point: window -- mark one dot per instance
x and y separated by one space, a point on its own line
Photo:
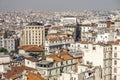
115 70
45 66
115 62
115 55
56 64
66 62
61 63
105 55
78 45
115 48
74 78
28 62
87 62
94 48
115 77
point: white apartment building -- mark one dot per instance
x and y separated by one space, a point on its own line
56 64
108 36
116 60
7 43
33 34
103 37
31 62
88 36
91 52
53 44
107 69
104 55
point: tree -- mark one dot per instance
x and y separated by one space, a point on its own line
12 51
3 50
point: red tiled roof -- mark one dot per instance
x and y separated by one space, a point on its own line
60 56
1 33
117 42
33 76
29 48
55 57
65 55
15 71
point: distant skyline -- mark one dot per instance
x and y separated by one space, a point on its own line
59 5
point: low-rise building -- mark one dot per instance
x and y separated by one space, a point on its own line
31 49
4 63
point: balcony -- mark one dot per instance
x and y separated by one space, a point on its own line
58 43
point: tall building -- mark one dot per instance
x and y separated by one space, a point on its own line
33 34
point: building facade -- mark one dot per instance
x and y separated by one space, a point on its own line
33 34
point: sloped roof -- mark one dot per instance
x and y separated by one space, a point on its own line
55 57
60 56
1 33
117 42
65 56
29 48
15 71
33 76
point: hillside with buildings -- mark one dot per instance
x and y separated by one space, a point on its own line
60 45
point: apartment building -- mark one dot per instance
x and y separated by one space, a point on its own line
92 51
56 64
8 43
116 60
57 43
88 36
33 34
100 54
107 68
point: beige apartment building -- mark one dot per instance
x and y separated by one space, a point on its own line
33 34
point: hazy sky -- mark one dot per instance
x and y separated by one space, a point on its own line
59 5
